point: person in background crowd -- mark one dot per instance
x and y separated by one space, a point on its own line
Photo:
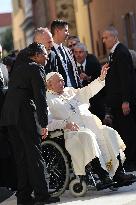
72 41
3 71
26 85
65 61
120 96
89 69
9 61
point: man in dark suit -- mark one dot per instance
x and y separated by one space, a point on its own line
26 86
65 61
89 69
119 93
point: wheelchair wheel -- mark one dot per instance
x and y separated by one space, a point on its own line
57 167
78 188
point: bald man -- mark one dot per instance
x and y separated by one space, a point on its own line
43 36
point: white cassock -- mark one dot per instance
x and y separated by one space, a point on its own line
93 139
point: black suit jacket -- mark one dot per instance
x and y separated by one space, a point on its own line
92 68
61 70
51 65
25 87
120 77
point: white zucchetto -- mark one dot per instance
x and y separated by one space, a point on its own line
51 74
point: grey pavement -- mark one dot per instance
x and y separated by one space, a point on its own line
123 196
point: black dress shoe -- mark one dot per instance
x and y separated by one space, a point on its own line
48 201
123 179
130 168
105 183
26 201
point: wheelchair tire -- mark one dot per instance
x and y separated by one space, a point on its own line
57 167
77 188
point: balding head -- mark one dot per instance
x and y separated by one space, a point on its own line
43 36
80 52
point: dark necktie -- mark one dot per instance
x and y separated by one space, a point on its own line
80 69
62 54
69 66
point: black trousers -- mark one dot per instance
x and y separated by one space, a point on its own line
26 145
7 162
126 126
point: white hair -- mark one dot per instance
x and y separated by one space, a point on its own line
51 74
112 30
41 31
81 45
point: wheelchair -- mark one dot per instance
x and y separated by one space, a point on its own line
59 172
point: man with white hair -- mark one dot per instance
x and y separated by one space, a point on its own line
120 93
87 64
41 35
86 139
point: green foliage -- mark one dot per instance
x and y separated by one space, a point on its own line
7 40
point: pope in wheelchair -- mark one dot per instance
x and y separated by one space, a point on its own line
89 143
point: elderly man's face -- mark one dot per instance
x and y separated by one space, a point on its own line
46 40
80 55
108 39
56 84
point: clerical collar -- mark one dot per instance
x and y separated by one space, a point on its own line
114 47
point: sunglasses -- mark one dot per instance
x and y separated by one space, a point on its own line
72 45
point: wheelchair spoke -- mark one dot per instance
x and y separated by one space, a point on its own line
57 177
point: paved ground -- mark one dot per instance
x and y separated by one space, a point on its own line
124 196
